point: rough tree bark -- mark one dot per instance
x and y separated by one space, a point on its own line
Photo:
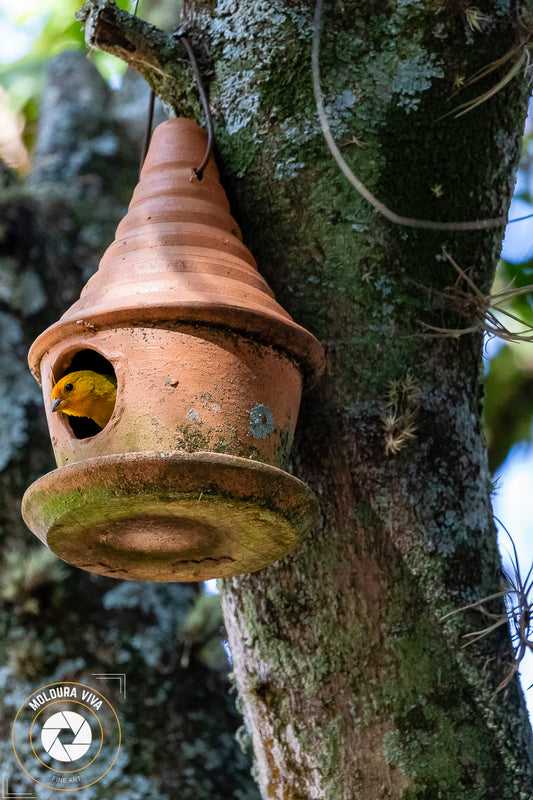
351 684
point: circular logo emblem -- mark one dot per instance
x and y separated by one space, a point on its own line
66 736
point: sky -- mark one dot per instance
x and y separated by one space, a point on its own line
21 21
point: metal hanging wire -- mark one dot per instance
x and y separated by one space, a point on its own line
148 131
198 172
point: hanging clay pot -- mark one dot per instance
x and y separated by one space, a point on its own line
186 480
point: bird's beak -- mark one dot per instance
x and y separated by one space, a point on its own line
56 402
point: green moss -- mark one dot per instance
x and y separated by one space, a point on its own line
191 439
26 657
330 737
221 446
287 92
285 446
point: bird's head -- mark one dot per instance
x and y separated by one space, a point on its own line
71 392
86 394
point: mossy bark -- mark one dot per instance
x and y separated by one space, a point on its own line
351 684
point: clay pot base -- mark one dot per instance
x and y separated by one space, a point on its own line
169 517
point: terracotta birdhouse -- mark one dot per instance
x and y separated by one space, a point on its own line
186 480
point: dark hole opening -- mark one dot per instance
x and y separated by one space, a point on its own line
90 359
83 427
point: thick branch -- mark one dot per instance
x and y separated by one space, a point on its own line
158 56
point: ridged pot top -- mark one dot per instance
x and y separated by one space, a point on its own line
178 257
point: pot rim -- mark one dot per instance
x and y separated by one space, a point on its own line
265 327
266 513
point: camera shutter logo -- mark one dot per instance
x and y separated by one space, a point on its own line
52 736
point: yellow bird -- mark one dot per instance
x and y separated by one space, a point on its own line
86 394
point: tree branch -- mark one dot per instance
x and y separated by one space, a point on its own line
158 56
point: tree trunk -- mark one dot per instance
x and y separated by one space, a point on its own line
352 685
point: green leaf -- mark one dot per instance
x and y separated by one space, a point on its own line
508 406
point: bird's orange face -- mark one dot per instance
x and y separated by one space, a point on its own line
85 394
60 393
66 394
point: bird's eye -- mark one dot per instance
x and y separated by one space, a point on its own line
69 387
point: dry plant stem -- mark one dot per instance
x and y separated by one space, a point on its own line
482 98
472 303
465 108
484 71
158 56
518 615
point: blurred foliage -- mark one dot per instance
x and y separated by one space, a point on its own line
201 633
52 28
508 407
29 574
24 78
